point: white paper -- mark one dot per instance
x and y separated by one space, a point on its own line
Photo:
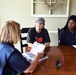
37 47
74 46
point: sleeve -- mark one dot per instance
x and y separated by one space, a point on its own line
18 62
61 37
46 36
30 36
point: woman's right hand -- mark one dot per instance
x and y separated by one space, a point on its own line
34 63
40 55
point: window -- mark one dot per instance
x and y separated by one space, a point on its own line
50 8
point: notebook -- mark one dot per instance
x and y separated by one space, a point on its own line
37 47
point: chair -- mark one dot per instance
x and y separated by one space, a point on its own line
23 38
59 30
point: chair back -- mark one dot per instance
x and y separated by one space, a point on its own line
23 36
59 30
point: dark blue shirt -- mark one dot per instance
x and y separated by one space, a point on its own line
15 64
67 38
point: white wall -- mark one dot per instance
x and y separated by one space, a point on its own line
20 11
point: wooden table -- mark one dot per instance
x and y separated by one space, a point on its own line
67 56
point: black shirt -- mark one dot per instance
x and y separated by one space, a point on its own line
42 37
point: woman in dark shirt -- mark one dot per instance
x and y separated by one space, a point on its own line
67 35
11 60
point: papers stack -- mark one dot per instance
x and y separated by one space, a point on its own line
37 47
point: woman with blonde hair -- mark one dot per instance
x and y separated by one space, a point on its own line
11 60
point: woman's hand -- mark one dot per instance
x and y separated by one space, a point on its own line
40 55
34 63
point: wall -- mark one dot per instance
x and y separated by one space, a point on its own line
20 10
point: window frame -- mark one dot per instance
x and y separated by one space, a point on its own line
50 15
